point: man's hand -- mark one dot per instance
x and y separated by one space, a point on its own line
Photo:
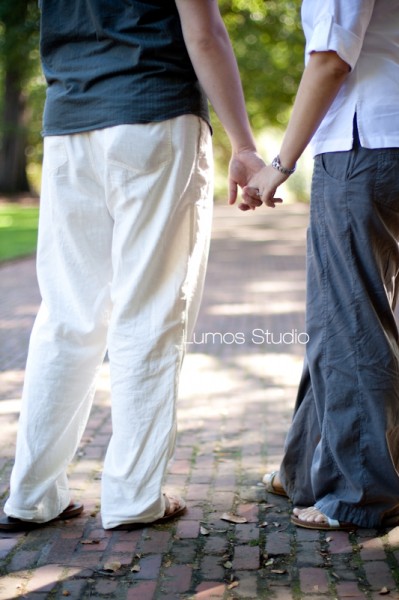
243 166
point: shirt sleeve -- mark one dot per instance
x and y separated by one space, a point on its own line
340 25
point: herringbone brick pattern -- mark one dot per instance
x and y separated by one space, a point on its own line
237 393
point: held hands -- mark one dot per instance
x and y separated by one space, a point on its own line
261 188
243 166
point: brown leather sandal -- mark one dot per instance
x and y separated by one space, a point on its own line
11 524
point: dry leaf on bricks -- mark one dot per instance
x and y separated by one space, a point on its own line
232 518
233 585
113 566
135 569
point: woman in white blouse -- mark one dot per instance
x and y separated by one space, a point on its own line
341 457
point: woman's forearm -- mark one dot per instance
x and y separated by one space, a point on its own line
321 81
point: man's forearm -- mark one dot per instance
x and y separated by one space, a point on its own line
215 65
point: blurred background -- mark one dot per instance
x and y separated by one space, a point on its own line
268 43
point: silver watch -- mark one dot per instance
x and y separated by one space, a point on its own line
276 164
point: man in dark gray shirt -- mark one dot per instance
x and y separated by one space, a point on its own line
123 241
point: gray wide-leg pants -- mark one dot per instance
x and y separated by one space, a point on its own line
342 450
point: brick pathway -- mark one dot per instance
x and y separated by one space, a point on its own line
237 392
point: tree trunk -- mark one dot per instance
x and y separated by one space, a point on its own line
13 178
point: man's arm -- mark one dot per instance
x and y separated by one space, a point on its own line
212 56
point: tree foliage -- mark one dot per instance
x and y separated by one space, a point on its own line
268 43
18 64
267 40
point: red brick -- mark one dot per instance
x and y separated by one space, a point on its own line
177 484
277 542
187 529
193 513
149 567
74 588
62 550
23 559
349 589
313 580
211 568
247 532
225 481
223 501
133 536
248 584
123 546
144 590
88 559
155 541
183 452
71 533
100 547
106 586
249 511
378 574
197 491
246 558
179 467
177 579
215 545
283 593
339 542
124 559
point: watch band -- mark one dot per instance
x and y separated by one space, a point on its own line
276 164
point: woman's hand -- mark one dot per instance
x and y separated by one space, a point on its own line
261 189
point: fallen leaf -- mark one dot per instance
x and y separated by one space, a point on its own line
89 542
233 585
329 539
276 524
232 518
66 593
168 564
270 562
204 530
135 569
112 566
267 505
384 591
264 524
227 564
278 571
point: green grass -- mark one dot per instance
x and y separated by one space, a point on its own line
18 230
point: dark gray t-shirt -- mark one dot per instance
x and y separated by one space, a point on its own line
113 62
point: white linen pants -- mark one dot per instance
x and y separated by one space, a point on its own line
124 234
